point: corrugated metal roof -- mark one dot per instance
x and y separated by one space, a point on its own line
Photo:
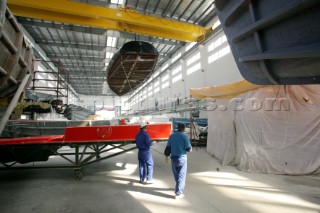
83 51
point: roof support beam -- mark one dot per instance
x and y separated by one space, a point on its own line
76 46
150 39
77 58
96 31
91 82
85 67
91 85
89 77
85 58
94 16
71 72
60 26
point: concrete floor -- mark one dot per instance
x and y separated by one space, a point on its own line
112 186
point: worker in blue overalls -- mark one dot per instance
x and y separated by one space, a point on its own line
177 147
144 143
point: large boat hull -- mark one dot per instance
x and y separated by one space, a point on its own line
274 42
15 53
131 66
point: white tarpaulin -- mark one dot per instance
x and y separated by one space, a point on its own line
273 129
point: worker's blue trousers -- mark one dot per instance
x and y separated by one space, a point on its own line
179 169
145 165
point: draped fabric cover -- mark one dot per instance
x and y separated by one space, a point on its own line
272 129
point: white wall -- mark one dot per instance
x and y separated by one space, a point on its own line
104 103
209 64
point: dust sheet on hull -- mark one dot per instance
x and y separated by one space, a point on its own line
271 139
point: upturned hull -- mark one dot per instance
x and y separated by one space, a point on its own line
131 66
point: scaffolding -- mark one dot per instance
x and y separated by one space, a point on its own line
61 88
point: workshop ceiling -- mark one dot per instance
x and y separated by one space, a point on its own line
84 52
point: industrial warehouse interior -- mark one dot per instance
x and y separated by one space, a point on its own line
81 80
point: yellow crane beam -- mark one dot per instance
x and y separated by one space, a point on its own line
95 16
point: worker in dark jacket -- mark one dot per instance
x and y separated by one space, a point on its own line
144 142
178 145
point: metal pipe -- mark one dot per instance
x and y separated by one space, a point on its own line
13 102
13 22
9 44
3 8
3 71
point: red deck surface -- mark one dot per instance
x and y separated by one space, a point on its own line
95 134
115 133
33 140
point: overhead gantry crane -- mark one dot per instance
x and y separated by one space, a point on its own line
122 19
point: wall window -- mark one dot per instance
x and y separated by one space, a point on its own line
218 54
176 70
217 43
165 77
164 85
176 57
193 69
193 59
177 78
157 89
143 95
